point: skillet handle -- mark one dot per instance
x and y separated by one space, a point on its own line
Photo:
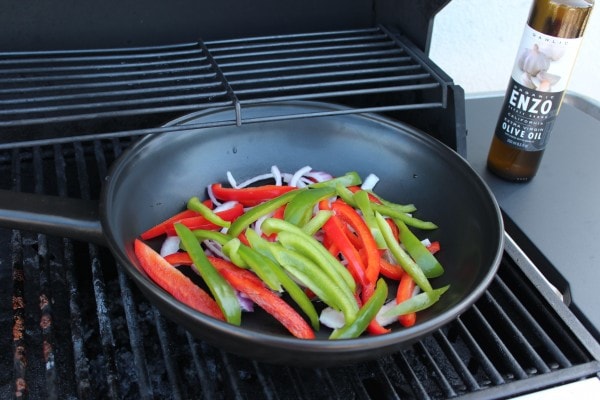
73 218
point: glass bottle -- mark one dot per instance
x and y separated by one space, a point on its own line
539 79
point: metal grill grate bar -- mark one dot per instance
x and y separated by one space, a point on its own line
97 85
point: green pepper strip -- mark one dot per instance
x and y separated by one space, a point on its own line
317 222
250 216
416 303
218 286
418 251
320 255
259 245
349 179
363 203
297 243
407 219
365 315
300 209
401 256
403 208
195 204
242 256
259 261
314 278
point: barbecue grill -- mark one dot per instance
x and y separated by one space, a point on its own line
77 90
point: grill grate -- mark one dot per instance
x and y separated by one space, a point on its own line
370 69
96 336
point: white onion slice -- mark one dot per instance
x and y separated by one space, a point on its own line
319 176
211 196
426 242
331 318
255 179
170 246
299 174
225 206
276 175
385 321
231 180
370 181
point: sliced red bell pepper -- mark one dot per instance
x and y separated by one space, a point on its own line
200 222
389 270
434 247
162 227
334 230
250 196
367 241
406 288
247 283
175 282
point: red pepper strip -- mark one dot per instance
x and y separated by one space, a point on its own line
405 291
389 270
250 285
335 230
374 328
279 215
161 228
200 222
395 230
179 258
434 247
175 282
250 196
373 199
351 217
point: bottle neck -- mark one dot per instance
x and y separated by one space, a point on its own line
560 18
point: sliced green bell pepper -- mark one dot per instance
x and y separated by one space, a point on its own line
195 204
240 224
300 209
407 263
418 251
417 303
365 315
320 255
218 286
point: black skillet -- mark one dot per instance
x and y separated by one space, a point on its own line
156 176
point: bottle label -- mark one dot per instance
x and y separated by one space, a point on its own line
539 78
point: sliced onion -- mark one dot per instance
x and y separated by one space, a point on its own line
170 246
255 179
211 196
299 174
385 321
426 242
319 176
276 175
215 248
225 206
331 318
231 180
370 181
245 303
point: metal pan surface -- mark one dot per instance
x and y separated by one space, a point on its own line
156 176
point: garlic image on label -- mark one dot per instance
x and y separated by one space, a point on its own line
534 64
544 62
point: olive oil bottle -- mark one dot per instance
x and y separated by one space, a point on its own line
542 69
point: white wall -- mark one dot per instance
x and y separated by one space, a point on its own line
475 42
